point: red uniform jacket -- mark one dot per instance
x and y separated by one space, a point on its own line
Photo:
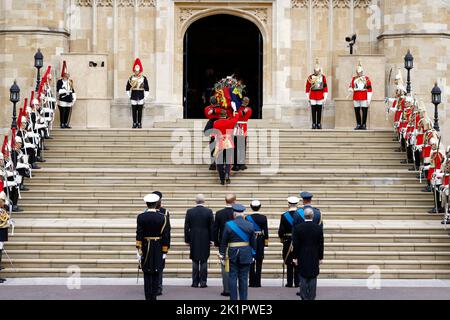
241 129
437 158
316 94
224 130
361 92
212 112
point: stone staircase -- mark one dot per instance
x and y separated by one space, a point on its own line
81 207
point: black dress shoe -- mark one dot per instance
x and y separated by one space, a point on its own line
68 127
134 126
314 126
2 280
139 125
225 294
319 126
213 167
298 294
194 285
203 286
243 167
358 127
62 125
288 285
222 182
363 127
235 168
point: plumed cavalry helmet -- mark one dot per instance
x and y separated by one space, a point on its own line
359 68
317 67
137 66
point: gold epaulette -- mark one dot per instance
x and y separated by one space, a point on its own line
138 244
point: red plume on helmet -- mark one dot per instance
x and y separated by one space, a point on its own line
5 146
25 113
43 81
64 69
19 118
138 62
32 98
13 138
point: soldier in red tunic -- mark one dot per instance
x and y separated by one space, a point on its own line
362 95
316 93
212 112
224 145
240 135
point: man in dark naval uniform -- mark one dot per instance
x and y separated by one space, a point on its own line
223 216
259 222
307 199
287 222
152 243
165 212
238 246
138 91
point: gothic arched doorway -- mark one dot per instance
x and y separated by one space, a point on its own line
215 47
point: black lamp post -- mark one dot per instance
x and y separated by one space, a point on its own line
38 64
14 97
436 100
409 64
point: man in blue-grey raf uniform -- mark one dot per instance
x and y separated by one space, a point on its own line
152 244
238 246
307 203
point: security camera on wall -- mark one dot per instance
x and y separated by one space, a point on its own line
351 42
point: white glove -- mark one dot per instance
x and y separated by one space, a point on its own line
350 89
146 95
307 95
369 97
164 256
233 105
138 256
129 94
74 97
325 96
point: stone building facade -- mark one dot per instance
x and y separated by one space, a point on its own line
111 33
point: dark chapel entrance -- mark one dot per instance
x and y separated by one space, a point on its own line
215 47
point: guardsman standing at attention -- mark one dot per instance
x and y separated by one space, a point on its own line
362 95
316 94
259 222
238 246
165 212
138 91
240 135
287 222
152 244
66 97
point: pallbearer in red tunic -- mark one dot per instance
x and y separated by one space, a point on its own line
224 145
316 93
362 95
212 113
240 135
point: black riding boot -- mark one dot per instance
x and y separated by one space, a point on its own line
358 118
314 116
134 114
364 118
139 116
319 117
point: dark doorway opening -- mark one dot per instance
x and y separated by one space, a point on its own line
215 47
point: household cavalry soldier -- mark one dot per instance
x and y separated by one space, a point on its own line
238 248
444 190
66 97
287 222
362 96
29 148
434 177
430 138
212 113
10 176
4 227
240 135
46 101
259 222
138 91
38 126
316 94
406 129
166 213
152 244
397 104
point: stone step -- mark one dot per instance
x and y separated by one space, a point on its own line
269 254
325 273
269 264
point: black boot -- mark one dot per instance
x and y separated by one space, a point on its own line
319 117
358 118
139 116
212 166
364 118
134 114
313 116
